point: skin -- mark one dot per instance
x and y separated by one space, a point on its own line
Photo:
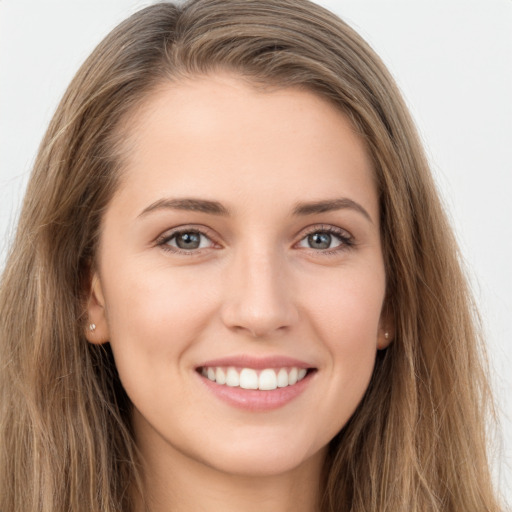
255 287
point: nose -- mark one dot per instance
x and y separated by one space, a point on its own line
259 295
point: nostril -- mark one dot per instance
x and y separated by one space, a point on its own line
259 304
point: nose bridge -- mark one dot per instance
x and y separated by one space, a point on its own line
258 298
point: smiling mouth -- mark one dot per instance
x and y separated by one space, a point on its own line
266 379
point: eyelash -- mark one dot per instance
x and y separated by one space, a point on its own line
164 240
347 241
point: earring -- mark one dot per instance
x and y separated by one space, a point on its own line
92 327
386 335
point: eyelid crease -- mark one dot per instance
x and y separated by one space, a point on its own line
346 238
328 228
163 239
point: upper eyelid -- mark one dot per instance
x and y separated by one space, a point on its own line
171 232
346 239
162 241
323 227
213 237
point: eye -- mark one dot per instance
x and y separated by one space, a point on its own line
320 240
185 241
326 238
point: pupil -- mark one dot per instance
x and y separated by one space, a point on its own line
188 240
319 240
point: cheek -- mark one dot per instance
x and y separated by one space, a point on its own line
155 311
345 315
346 307
155 318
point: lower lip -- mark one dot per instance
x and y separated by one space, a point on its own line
254 399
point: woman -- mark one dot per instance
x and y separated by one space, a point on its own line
233 274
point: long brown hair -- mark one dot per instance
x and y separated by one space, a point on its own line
417 441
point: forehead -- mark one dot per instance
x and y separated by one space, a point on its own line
219 135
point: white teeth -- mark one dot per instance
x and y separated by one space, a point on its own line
267 380
220 376
232 378
248 378
282 378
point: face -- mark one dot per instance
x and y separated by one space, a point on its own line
240 278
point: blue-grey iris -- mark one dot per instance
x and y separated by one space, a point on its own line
188 240
319 240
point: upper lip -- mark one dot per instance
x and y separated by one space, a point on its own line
258 363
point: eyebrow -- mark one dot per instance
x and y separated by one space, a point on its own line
189 204
330 205
216 208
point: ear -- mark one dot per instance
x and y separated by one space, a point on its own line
386 332
96 329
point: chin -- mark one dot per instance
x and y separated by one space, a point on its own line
266 458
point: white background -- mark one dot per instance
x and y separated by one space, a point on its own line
451 58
